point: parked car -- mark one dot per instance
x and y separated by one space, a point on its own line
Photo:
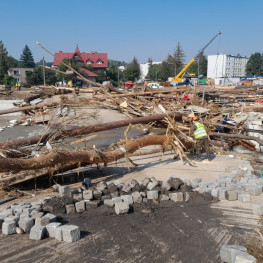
154 85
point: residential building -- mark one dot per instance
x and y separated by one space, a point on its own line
94 59
19 73
226 66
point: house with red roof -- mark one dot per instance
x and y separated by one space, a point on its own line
94 59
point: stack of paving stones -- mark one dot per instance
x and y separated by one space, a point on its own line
236 254
239 185
121 196
32 219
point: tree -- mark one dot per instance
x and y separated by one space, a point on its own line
3 62
36 77
179 58
199 67
255 65
132 72
27 60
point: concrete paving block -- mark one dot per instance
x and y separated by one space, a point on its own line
109 202
176 197
121 208
153 183
257 208
206 184
152 195
51 229
187 196
127 199
143 194
243 257
70 233
88 195
137 198
80 206
58 233
166 186
64 190
12 218
70 209
24 216
195 182
37 232
77 197
231 195
117 199
56 188
91 204
126 188
52 217
163 197
255 190
26 224
226 252
9 228
37 215
97 194
118 182
222 193
215 192
244 198
42 221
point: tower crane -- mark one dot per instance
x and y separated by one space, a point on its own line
180 75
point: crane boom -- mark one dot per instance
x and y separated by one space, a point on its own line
179 77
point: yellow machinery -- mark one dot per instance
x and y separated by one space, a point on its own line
180 75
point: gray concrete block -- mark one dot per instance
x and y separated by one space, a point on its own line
126 188
163 197
187 196
91 204
215 192
80 206
166 186
97 194
137 198
77 197
121 208
226 252
244 198
257 208
37 232
52 217
118 182
88 195
12 218
37 215
143 194
42 221
101 186
56 188
109 202
231 195
153 183
64 190
70 233
127 199
58 233
26 224
195 182
70 209
24 216
9 228
206 184
51 229
176 197
152 195
255 190
243 257
222 193
117 200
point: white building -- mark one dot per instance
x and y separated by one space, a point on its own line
226 66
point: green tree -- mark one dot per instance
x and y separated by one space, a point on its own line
27 60
36 77
112 72
3 62
132 72
199 66
255 65
178 58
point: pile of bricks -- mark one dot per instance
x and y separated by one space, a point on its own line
121 195
236 254
30 218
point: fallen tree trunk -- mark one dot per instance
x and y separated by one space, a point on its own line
236 136
35 107
55 157
87 130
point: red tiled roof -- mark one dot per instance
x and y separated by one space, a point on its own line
87 72
97 60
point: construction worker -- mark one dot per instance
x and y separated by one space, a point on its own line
201 137
19 85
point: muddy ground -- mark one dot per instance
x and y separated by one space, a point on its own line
168 232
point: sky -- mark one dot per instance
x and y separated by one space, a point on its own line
131 28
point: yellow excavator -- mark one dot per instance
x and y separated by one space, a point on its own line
180 75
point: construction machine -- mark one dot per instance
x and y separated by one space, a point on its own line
179 77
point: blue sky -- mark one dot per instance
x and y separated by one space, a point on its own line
128 28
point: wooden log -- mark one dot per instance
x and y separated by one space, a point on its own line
87 130
35 107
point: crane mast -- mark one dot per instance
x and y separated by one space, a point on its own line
180 75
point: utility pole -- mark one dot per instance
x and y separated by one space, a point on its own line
44 73
118 75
